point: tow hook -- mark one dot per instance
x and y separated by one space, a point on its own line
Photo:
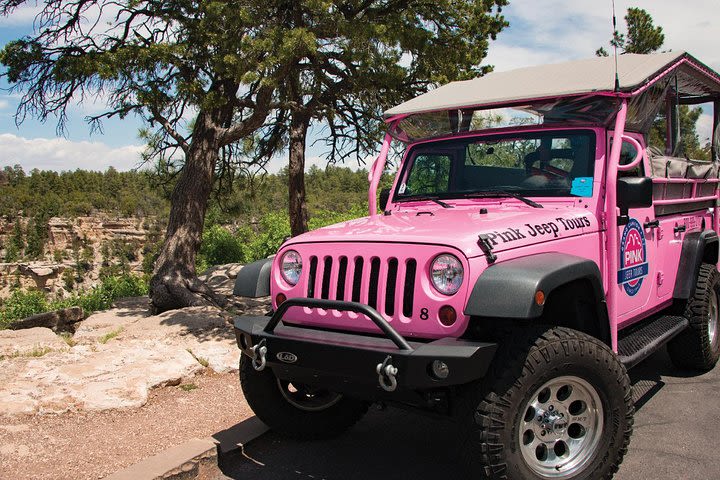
386 374
258 358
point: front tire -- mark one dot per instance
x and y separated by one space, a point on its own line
698 347
297 410
555 404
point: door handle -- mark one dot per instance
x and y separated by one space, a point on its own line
680 228
652 224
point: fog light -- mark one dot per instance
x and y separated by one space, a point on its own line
280 299
440 370
447 315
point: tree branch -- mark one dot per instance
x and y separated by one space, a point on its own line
253 122
158 117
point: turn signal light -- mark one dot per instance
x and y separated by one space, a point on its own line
447 315
280 298
540 297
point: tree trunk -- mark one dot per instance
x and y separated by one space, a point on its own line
296 171
174 283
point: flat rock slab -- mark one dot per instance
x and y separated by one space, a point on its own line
29 341
110 322
119 356
100 378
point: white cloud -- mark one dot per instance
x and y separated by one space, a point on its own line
691 26
61 154
4 104
509 57
21 16
704 127
547 31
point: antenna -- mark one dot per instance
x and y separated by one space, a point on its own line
617 78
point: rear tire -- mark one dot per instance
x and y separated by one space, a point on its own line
297 411
698 347
554 400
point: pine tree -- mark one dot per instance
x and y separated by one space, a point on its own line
644 37
232 63
16 247
35 239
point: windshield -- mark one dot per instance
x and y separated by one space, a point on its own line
545 164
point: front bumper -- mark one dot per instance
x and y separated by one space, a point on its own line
348 362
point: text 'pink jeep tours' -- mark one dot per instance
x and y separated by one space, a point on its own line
531 249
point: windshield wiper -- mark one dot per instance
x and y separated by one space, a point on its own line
502 193
420 198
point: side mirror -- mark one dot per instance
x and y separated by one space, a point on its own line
634 192
384 197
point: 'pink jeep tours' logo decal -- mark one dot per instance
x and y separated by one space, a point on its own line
633 258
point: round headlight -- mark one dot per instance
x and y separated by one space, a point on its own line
446 273
291 266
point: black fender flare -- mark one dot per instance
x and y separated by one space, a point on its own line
507 289
698 247
253 280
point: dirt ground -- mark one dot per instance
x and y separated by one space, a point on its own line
92 445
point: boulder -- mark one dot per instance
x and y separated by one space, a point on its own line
217 279
45 320
71 315
233 270
211 271
59 321
42 271
251 306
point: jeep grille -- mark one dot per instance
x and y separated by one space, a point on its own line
386 277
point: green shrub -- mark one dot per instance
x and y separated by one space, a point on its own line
125 286
22 304
12 254
323 218
68 278
102 296
274 229
151 250
219 246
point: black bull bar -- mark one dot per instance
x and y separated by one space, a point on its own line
353 362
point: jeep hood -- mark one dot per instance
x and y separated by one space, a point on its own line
504 227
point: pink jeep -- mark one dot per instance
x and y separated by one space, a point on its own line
531 250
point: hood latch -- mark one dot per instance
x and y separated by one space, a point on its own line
486 247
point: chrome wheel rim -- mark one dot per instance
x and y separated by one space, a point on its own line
713 319
561 427
307 398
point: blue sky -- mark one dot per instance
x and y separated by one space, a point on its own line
541 31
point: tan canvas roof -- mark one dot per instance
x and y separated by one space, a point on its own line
547 81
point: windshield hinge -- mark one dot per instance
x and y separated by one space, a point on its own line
486 247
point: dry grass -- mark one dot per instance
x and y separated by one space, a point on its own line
109 336
68 338
201 360
35 352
